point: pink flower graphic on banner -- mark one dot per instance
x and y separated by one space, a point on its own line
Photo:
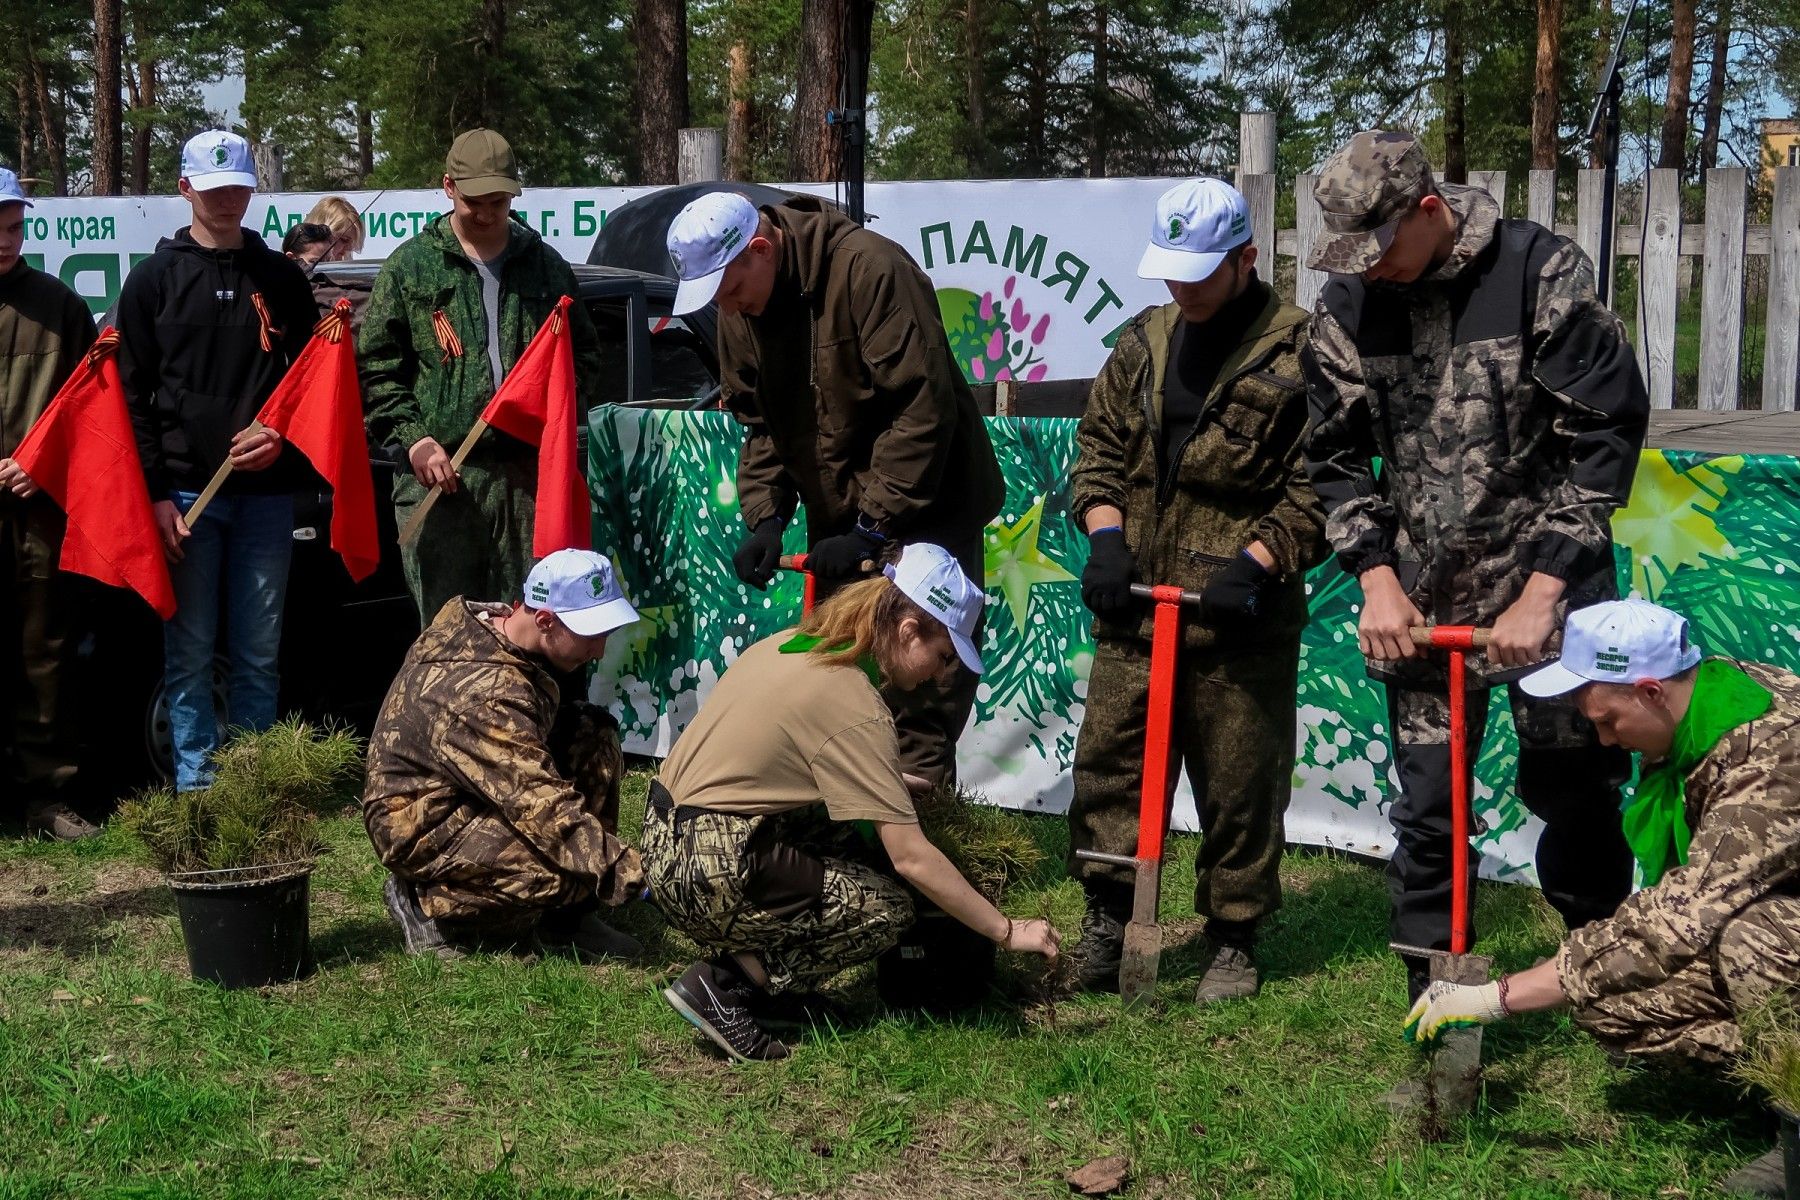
994 338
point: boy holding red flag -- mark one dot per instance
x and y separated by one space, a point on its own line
44 331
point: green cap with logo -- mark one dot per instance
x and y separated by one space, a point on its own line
481 163
1364 190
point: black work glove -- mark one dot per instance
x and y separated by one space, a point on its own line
843 556
1106 580
1236 594
759 554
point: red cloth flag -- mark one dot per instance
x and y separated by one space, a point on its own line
83 453
536 404
318 407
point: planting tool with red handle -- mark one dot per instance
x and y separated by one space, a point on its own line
1141 955
1454 1076
797 562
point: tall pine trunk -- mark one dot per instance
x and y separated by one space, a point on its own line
27 117
659 33
1715 88
1681 80
365 144
739 160
975 88
1099 106
813 149
108 55
1456 162
1602 48
143 101
51 127
490 51
1544 97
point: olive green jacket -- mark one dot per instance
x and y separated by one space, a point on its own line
1237 479
849 395
416 386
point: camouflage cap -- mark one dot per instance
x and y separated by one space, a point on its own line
1366 187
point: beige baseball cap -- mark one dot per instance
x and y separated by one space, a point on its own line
481 163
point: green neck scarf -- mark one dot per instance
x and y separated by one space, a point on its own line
1656 820
800 643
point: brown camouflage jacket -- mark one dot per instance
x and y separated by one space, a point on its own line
1505 405
466 730
1743 805
1238 479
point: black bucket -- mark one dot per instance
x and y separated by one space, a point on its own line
939 965
1790 1151
244 927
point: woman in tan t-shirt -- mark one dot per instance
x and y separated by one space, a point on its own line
748 841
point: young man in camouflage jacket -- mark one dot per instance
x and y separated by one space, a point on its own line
451 312
1471 355
1189 473
1715 827
495 808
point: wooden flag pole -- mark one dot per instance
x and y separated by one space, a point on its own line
216 482
456 461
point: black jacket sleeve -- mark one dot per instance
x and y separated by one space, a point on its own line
140 368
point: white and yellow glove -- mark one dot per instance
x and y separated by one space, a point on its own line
1447 1005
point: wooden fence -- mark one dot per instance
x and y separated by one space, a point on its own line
1658 241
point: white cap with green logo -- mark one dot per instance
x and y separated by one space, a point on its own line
1197 224
1621 641
931 578
579 587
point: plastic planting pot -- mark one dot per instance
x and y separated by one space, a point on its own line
1790 1151
246 927
939 965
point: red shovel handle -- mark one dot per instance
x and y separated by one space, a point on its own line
1458 640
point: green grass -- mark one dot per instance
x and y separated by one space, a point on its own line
383 1076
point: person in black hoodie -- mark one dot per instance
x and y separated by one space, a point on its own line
208 326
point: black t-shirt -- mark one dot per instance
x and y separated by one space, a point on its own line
1196 355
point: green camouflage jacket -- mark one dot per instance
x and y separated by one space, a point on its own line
1743 805
1505 405
425 377
466 731
1238 479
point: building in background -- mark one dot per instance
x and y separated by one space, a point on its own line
1780 146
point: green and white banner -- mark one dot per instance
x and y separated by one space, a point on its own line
1030 284
1717 538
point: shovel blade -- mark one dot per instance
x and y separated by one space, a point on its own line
1139 959
1454 1078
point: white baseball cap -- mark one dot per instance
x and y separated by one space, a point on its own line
10 191
933 580
1621 641
217 159
1197 223
703 239
580 588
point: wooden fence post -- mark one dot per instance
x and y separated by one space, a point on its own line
1308 283
700 155
1256 180
1722 297
1590 203
1781 334
1540 201
1656 285
1493 183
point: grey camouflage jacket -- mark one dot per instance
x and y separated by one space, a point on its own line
1505 405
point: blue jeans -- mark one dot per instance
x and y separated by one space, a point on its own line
241 547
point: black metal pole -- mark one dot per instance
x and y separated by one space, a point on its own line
1609 158
851 113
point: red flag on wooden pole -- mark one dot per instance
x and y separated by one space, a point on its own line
536 403
83 454
318 407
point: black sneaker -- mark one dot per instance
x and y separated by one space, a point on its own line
421 934
1095 958
589 939
715 1000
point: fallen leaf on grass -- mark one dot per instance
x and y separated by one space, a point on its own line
300 1160
140 1000
62 996
1102 1177
40 889
1057 1102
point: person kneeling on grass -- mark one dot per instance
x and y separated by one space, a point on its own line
470 801
749 822
1715 827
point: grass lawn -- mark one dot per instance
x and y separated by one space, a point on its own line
383 1076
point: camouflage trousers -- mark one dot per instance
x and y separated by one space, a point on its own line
1694 1013
476 541
775 886
1233 730
1566 778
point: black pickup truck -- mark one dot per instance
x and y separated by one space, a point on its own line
342 641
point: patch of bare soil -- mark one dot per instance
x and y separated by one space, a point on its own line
35 913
